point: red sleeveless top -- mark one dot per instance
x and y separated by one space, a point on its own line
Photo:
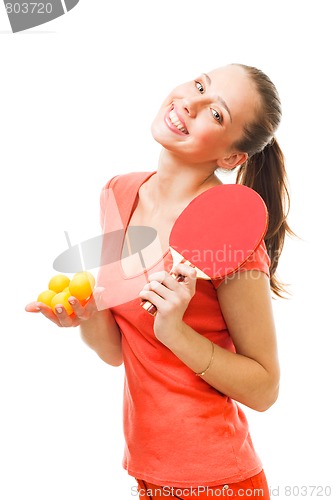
179 431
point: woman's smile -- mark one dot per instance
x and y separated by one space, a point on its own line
175 122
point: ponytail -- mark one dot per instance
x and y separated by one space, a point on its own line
265 173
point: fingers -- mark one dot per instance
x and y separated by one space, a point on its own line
156 288
152 298
168 279
44 309
59 317
163 287
81 311
188 272
63 318
32 307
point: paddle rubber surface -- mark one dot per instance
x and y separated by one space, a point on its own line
218 231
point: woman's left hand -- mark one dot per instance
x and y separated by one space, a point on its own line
171 298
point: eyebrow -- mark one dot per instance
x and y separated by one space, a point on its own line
222 101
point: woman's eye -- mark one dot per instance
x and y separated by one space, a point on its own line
199 87
216 115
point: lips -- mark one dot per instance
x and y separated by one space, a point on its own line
175 122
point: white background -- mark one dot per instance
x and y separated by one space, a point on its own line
77 99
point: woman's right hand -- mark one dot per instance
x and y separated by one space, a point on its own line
60 317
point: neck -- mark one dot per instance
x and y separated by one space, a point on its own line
179 182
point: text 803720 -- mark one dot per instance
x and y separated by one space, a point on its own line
29 8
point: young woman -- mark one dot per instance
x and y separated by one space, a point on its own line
212 343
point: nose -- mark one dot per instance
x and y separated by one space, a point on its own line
192 105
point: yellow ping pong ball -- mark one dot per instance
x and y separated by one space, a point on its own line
82 285
46 297
61 299
58 282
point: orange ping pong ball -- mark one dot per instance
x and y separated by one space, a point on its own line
61 298
81 285
58 283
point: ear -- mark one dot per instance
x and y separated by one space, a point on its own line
232 161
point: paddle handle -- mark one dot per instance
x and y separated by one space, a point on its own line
148 306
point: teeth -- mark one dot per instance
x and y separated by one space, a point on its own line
175 121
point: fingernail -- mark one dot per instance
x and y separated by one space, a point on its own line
59 309
37 309
71 301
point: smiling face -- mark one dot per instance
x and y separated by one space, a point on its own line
201 120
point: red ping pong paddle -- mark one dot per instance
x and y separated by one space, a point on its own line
217 232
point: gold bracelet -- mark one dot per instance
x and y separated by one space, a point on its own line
209 364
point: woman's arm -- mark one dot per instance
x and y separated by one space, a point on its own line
251 375
101 333
247 309
99 329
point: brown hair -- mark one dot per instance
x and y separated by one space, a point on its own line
264 171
